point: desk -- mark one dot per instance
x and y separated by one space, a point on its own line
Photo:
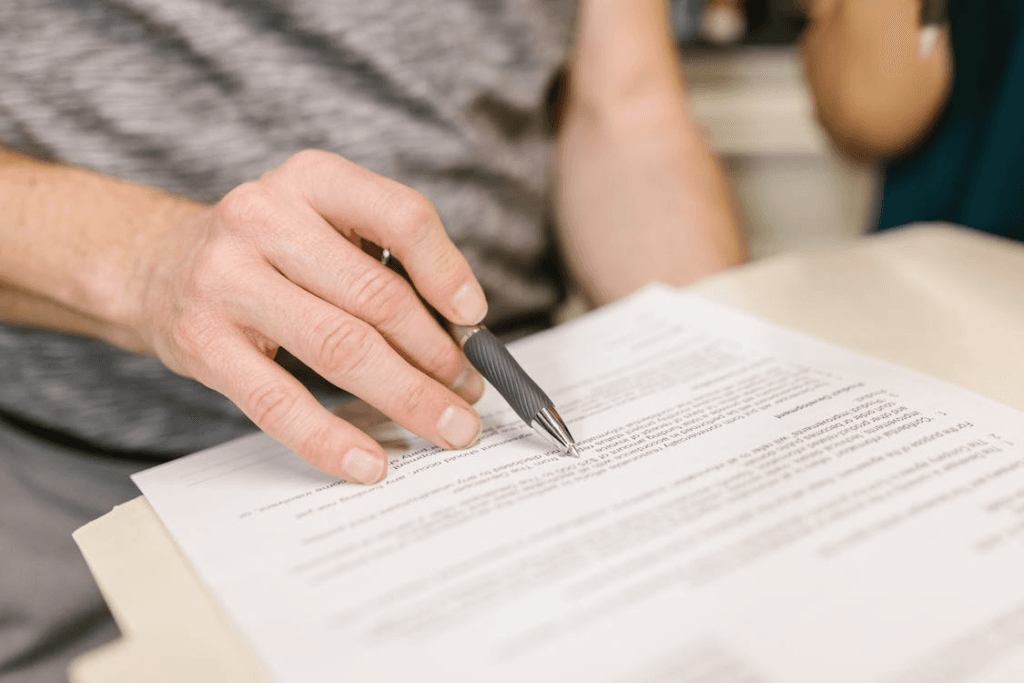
937 299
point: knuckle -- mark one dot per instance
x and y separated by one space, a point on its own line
447 261
194 335
245 205
343 345
445 361
378 293
308 161
411 400
270 405
411 215
318 444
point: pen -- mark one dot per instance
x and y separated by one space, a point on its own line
490 357
934 15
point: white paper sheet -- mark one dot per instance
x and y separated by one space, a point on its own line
751 506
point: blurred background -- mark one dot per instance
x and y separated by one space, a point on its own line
742 64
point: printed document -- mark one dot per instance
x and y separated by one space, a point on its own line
751 506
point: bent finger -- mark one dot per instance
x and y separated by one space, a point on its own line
285 410
396 217
351 354
318 259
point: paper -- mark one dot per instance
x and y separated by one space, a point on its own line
751 506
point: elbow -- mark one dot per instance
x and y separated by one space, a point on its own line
857 132
865 126
877 108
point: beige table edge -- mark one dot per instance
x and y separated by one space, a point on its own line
890 296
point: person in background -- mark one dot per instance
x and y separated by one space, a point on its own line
943 116
183 190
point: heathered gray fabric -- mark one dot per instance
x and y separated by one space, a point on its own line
195 97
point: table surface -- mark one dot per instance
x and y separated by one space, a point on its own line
942 300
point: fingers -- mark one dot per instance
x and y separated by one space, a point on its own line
319 260
270 265
350 353
353 199
280 406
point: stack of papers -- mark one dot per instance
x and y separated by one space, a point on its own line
751 505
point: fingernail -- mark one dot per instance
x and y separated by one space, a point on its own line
459 427
469 384
469 304
361 467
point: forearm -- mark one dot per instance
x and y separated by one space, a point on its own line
21 308
623 60
875 93
69 245
641 197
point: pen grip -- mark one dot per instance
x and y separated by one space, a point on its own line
496 364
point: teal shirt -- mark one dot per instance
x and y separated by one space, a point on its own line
970 169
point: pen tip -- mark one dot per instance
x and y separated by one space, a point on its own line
572 450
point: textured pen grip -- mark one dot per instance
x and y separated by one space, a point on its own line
492 359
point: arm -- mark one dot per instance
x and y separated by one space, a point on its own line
91 219
214 291
640 196
874 92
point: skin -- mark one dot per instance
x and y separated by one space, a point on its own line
641 196
214 291
875 94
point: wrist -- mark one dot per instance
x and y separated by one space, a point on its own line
75 244
116 284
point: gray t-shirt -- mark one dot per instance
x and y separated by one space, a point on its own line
198 96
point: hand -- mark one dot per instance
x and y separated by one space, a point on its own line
276 263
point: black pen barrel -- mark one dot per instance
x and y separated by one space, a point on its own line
496 364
